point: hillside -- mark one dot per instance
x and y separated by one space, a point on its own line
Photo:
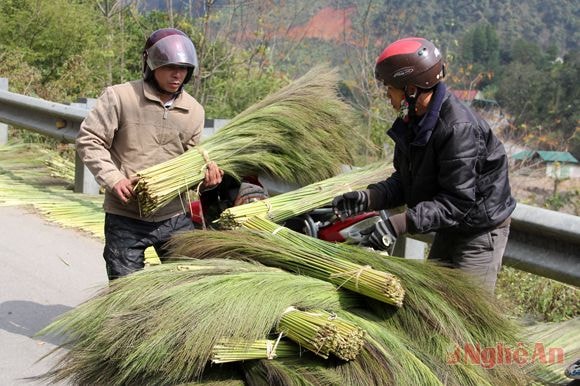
508 50
522 54
545 22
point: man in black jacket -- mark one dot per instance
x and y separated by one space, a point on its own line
450 169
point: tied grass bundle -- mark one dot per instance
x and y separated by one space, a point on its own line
322 333
236 350
316 195
301 134
273 245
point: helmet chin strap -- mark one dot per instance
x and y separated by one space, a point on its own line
412 101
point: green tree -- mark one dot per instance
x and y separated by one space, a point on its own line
228 81
479 52
542 100
49 32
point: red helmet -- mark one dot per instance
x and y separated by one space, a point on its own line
168 46
410 61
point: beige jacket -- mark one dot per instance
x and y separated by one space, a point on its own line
129 130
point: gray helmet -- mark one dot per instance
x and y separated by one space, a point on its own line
410 61
168 46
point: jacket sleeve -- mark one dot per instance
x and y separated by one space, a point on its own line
95 138
386 194
199 122
457 155
389 193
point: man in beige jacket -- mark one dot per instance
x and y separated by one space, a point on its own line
136 125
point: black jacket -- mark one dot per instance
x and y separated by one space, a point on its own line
450 170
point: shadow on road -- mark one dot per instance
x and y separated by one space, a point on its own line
27 318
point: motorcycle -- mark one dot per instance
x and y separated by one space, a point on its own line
321 223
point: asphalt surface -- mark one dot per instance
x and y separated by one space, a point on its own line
45 270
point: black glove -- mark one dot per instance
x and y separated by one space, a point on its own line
351 203
384 236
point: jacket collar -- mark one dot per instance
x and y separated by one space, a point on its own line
424 128
151 94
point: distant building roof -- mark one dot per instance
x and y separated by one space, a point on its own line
546 156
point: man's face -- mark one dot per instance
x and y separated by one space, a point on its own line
170 77
395 96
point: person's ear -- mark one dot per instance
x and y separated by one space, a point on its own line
411 91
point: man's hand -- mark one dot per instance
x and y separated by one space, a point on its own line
351 203
384 236
124 189
387 230
213 176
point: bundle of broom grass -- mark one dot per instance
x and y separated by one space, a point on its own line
229 350
167 333
302 134
287 205
322 333
164 325
281 247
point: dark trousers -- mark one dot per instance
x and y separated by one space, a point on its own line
126 240
479 255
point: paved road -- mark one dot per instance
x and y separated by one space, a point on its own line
45 270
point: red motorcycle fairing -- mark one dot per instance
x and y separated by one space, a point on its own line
320 223
196 212
352 230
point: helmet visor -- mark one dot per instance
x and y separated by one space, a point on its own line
173 49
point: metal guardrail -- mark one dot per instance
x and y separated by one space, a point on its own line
546 243
543 242
53 119
61 122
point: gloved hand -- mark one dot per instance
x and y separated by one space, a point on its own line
351 203
383 236
386 231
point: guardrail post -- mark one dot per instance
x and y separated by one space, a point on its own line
3 126
84 180
211 126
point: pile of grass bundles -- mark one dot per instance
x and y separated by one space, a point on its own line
442 310
163 326
274 245
302 134
167 333
305 199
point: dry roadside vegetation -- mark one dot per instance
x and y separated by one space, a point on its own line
537 189
528 296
